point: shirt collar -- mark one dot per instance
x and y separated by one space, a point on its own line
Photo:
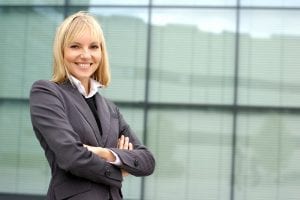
94 85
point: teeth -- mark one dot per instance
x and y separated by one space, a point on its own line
84 65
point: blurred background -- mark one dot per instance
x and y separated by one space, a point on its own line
211 86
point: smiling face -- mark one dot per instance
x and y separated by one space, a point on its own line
82 56
79 49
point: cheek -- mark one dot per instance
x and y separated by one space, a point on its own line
69 56
97 56
68 60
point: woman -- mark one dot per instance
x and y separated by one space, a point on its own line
87 142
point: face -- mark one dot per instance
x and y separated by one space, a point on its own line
82 57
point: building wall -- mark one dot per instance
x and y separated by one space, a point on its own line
211 86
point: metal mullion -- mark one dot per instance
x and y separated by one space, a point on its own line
235 103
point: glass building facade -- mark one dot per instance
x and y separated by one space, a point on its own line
211 86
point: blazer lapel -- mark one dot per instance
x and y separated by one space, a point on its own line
84 109
104 116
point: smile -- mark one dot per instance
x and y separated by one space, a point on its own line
84 65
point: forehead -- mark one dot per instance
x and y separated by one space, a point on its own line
85 37
83 31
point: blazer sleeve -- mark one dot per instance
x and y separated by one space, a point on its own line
139 161
61 143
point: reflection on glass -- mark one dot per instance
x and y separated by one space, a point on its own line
195 2
192 56
31 2
23 167
267 157
193 151
269 58
109 2
26 48
270 3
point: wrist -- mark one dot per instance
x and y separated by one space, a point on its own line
109 156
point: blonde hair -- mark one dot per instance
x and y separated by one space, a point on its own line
72 27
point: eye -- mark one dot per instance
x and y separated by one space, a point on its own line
95 46
74 46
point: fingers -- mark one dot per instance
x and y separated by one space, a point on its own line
123 143
126 143
130 146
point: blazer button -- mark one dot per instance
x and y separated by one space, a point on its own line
136 163
107 172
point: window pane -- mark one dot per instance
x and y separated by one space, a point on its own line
125 30
23 167
195 2
269 58
26 48
109 2
193 155
270 3
192 56
268 157
31 2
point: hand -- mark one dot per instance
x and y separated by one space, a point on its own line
103 153
93 149
123 143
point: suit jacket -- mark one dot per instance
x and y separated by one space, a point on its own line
63 122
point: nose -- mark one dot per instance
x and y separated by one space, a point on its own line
85 54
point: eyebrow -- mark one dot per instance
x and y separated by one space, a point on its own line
90 43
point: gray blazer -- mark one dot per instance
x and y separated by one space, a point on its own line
63 122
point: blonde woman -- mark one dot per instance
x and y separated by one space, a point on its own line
87 142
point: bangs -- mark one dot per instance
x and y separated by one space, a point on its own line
81 25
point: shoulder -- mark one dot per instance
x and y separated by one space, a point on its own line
53 86
47 93
43 84
41 87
